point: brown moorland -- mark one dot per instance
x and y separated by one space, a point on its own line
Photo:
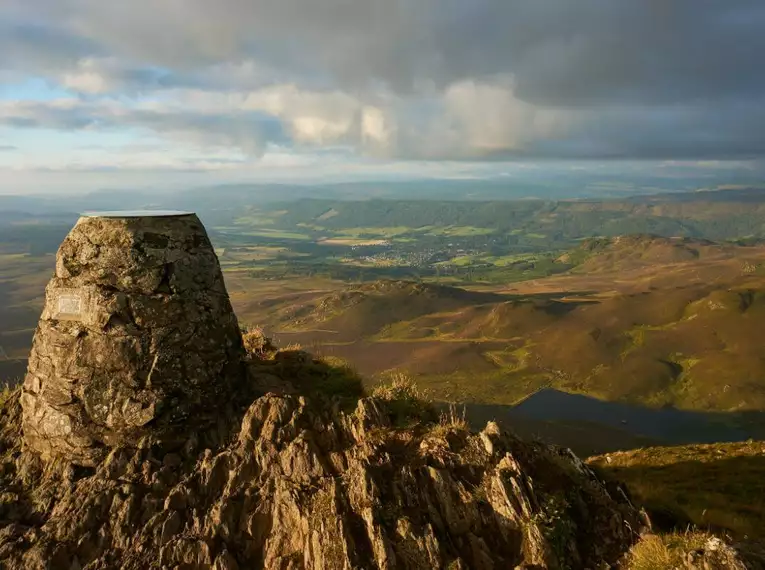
650 320
656 321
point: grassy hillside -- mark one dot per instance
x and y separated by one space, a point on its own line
646 319
642 250
712 215
719 486
365 310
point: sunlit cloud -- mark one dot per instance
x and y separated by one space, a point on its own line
223 84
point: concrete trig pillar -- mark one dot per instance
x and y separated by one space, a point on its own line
137 335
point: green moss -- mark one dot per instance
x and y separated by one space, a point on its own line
557 526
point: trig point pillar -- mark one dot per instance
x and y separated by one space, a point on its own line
137 335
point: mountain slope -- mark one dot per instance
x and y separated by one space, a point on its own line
716 215
636 251
714 485
366 309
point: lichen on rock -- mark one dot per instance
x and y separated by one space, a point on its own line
137 329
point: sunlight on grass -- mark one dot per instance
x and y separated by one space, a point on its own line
663 552
407 403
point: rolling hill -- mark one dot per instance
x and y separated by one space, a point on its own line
642 319
365 310
716 215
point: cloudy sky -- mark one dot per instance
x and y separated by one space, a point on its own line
175 91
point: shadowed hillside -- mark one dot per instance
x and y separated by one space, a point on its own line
717 486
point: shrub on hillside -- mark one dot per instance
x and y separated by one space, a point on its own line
256 344
406 403
660 552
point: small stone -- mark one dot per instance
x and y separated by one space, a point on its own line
172 460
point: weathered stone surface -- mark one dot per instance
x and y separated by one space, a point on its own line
146 444
137 331
294 484
719 555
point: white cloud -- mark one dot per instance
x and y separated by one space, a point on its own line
468 119
493 119
86 78
312 117
377 129
409 79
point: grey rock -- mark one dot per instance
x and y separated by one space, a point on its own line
270 496
137 335
720 555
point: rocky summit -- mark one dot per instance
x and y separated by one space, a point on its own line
146 437
293 484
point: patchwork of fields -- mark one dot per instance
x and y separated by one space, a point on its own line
658 321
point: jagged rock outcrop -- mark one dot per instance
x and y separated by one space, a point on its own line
295 484
137 331
144 437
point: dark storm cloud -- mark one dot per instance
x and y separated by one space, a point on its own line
595 52
250 131
642 78
561 52
35 47
694 131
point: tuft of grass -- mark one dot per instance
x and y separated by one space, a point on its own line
5 393
454 419
257 345
407 404
451 421
661 552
